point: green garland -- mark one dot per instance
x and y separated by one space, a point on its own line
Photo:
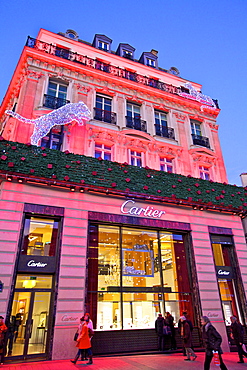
74 169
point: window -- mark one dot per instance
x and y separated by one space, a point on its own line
134 274
196 128
127 54
166 165
135 158
133 111
56 95
102 151
225 260
160 123
103 46
54 139
133 118
204 173
150 62
103 109
197 137
40 236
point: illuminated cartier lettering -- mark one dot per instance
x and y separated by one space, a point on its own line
148 211
220 272
32 263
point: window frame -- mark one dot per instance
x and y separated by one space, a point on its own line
103 149
163 162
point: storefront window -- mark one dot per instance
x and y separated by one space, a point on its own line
135 274
223 254
40 236
174 271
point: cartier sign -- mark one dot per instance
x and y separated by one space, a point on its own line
130 207
42 264
224 272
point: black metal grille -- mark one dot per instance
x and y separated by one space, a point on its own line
53 102
165 131
105 116
136 123
201 140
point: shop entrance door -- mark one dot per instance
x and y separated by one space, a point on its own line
29 327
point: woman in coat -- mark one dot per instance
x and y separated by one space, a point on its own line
83 342
212 340
187 338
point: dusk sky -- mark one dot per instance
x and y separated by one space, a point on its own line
205 40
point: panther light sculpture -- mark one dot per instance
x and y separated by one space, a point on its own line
68 113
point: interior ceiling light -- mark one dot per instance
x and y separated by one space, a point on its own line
81 190
72 188
9 178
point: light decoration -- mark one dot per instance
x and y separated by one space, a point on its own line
64 115
196 95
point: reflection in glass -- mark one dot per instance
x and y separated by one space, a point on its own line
132 265
39 323
34 281
18 327
40 236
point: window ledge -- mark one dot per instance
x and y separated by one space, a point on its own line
165 140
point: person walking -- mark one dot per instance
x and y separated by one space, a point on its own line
179 328
3 330
83 342
212 340
159 325
170 322
237 333
187 339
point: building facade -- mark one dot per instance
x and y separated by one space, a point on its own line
124 216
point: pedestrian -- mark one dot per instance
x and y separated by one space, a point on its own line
179 328
170 322
186 336
3 330
212 340
11 334
237 333
159 327
83 342
84 354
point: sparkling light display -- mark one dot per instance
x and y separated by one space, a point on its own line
68 113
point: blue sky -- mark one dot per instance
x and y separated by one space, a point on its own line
205 40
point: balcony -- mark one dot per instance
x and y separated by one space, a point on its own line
54 103
136 123
165 131
105 116
201 140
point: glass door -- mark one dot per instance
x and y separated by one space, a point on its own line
29 321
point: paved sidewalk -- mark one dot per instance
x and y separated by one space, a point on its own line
143 362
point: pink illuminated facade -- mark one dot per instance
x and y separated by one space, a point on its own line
125 215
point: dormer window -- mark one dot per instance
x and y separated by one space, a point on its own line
103 46
102 42
126 51
71 34
150 59
127 54
151 62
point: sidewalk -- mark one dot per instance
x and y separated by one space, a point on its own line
142 362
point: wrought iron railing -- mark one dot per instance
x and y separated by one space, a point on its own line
53 102
165 131
136 123
201 140
105 116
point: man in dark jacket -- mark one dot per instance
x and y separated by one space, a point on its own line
212 340
170 322
237 333
159 324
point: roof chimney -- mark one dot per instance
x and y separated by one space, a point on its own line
154 52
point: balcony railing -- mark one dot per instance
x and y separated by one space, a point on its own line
105 116
53 102
136 123
201 140
165 131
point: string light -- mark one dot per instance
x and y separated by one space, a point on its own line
68 113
